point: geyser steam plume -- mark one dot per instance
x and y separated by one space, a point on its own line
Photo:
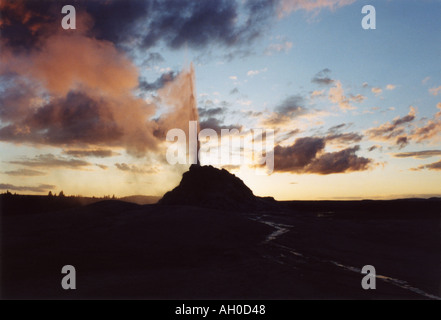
181 95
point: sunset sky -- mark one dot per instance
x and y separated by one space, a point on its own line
356 113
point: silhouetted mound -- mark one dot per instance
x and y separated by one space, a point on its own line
209 187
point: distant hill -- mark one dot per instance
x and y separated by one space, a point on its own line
140 199
30 204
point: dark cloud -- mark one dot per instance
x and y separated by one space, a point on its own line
174 23
75 90
296 157
322 78
18 93
339 162
432 166
22 23
68 120
39 188
234 91
307 155
134 169
375 147
98 153
402 142
211 112
199 23
393 132
152 59
431 130
290 108
337 128
282 136
83 119
158 83
25 173
51 161
418 154
345 138
217 125
408 118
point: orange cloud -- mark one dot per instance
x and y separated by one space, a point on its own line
288 6
73 90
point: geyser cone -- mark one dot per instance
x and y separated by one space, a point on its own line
209 187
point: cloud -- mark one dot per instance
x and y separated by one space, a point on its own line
375 147
425 80
394 132
66 62
336 95
290 108
234 91
391 87
51 161
317 93
98 153
217 125
418 154
431 166
71 110
211 112
40 188
335 136
431 131
339 162
377 91
307 155
253 73
338 127
134 169
25 173
344 138
399 132
158 83
85 119
322 78
77 90
402 141
152 59
297 157
144 23
435 91
80 93
287 6
278 47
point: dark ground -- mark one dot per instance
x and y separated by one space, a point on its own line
303 250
